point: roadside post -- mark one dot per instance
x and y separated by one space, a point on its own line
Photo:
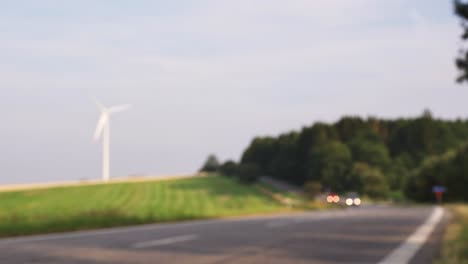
439 192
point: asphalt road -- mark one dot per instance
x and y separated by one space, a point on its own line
357 235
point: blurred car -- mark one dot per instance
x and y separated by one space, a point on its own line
333 198
352 199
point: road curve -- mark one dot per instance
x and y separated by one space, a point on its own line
356 235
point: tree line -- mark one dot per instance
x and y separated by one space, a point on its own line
376 157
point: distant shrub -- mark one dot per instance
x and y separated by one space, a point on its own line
397 196
211 164
229 168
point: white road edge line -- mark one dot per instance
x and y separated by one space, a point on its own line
165 241
406 251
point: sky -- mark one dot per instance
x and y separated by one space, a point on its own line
207 76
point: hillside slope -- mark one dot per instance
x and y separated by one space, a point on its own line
116 204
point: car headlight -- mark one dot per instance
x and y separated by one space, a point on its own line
349 201
357 201
336 199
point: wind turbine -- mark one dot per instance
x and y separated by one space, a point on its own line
103 130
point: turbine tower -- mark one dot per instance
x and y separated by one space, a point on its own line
103 129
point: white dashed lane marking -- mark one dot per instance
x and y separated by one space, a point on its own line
165 241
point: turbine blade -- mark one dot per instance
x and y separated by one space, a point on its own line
119 108
103 119
99 105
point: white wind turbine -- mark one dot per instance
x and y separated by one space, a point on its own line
104 130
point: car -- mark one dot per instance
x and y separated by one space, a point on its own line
333 198
352 199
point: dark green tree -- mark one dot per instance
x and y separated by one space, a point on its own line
372 153
260 152
349 127
211 164
283 164
369 180
461 10
329 163
310 139
398 171
229 168
449 170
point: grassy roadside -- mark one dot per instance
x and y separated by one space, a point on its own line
116 204
455 245
292 199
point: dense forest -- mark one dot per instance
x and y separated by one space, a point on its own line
376 157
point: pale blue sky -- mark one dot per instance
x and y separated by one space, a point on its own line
208 76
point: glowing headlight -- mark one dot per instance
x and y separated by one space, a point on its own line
349 201
357 201
336 199
329 199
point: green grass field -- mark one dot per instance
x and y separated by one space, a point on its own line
455 245
116 204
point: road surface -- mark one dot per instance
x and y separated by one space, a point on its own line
355 235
